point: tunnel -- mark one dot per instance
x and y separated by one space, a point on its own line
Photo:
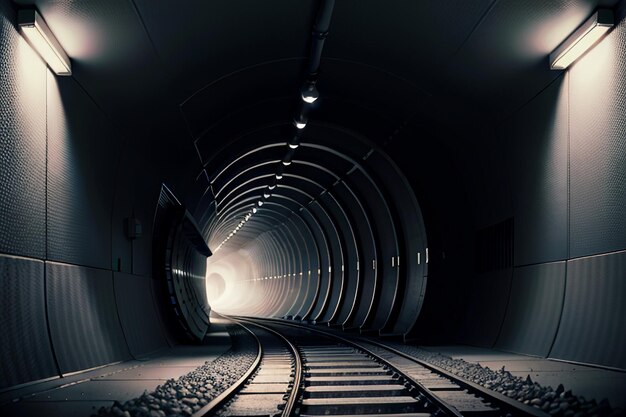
420 173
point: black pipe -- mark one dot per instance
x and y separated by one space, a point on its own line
318 36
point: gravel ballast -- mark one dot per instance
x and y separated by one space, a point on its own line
554 401
184 396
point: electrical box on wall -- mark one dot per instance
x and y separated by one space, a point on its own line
132 228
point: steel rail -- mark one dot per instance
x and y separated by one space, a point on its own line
222 398
494 397
297 379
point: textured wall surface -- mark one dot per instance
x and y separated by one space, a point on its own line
534 309
22 143
594 313
568 194
598 147
137 313
84 324
488 301
25 344
539 136
82 150
56 185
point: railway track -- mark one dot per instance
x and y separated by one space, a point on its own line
305 372
267 388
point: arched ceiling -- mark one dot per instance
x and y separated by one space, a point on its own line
143 60
209 90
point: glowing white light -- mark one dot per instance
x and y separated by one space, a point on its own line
260 203
271 187
37 32
286 163
254 210
309 92
586 36
294 145
300 125
266 195
279 176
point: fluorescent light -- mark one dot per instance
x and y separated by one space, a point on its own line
585 37
39 35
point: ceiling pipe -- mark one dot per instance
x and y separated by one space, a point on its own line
318 35
288 156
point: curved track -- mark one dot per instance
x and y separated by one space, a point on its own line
267 388
351 376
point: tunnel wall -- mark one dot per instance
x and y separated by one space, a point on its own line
557 166
66 267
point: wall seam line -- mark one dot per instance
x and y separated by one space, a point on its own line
45 261
567 237
117 313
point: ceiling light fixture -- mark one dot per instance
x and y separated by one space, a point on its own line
300 123
260 203
288 157
272 186
266 195
254 209
41 38
583 39
279 172
309 92
295 140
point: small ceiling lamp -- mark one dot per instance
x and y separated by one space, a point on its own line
300 122
279 172
309 92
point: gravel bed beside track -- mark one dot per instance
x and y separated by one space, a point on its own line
557 402
190 392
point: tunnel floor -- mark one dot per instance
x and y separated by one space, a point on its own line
82 394
583 380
